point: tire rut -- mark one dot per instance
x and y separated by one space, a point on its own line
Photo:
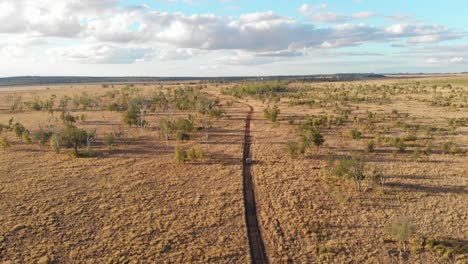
257 247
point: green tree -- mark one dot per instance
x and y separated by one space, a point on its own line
42 136
73 137
183 127
352 168
166 128
403 228
131 116
317 138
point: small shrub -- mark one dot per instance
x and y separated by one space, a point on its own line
131 116
370 146
195 154
355 133
183 125
455 150
25 137
67 118
42 136
18 129
109 141
428 148
317 138
416 154
445 147
4 144
55 143
271 113
402 229
398 143
292 148
410 137
180 155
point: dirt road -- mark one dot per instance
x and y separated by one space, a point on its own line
257 248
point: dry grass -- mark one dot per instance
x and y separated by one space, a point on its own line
138 205
134 204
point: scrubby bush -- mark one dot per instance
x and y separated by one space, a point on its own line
370 146
180 155
109 140
183 125
260 90
42 136
271 113
445 147
68 118
54 142
428 148
416 154
317 138
398 143
131 116
410 137
18 129
402 229
353 168
292 148
73 137
195 154
354 133
166 128
4 144
25 137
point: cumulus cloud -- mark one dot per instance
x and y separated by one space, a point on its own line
116 34
102 54
50 17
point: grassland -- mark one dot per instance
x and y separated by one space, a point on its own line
133 202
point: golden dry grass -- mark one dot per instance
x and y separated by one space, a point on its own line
138 205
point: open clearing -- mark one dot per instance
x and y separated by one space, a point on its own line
133 202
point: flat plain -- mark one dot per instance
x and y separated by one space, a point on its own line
387 183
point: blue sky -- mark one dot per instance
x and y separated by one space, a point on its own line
231 37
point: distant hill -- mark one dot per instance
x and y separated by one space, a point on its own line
47 80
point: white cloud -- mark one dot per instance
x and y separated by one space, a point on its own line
102 54
99 31
307 9
364 15
457 59
432 61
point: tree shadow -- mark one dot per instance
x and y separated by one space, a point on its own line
427 189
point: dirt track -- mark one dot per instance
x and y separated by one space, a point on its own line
257 248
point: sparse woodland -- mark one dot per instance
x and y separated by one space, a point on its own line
345 172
